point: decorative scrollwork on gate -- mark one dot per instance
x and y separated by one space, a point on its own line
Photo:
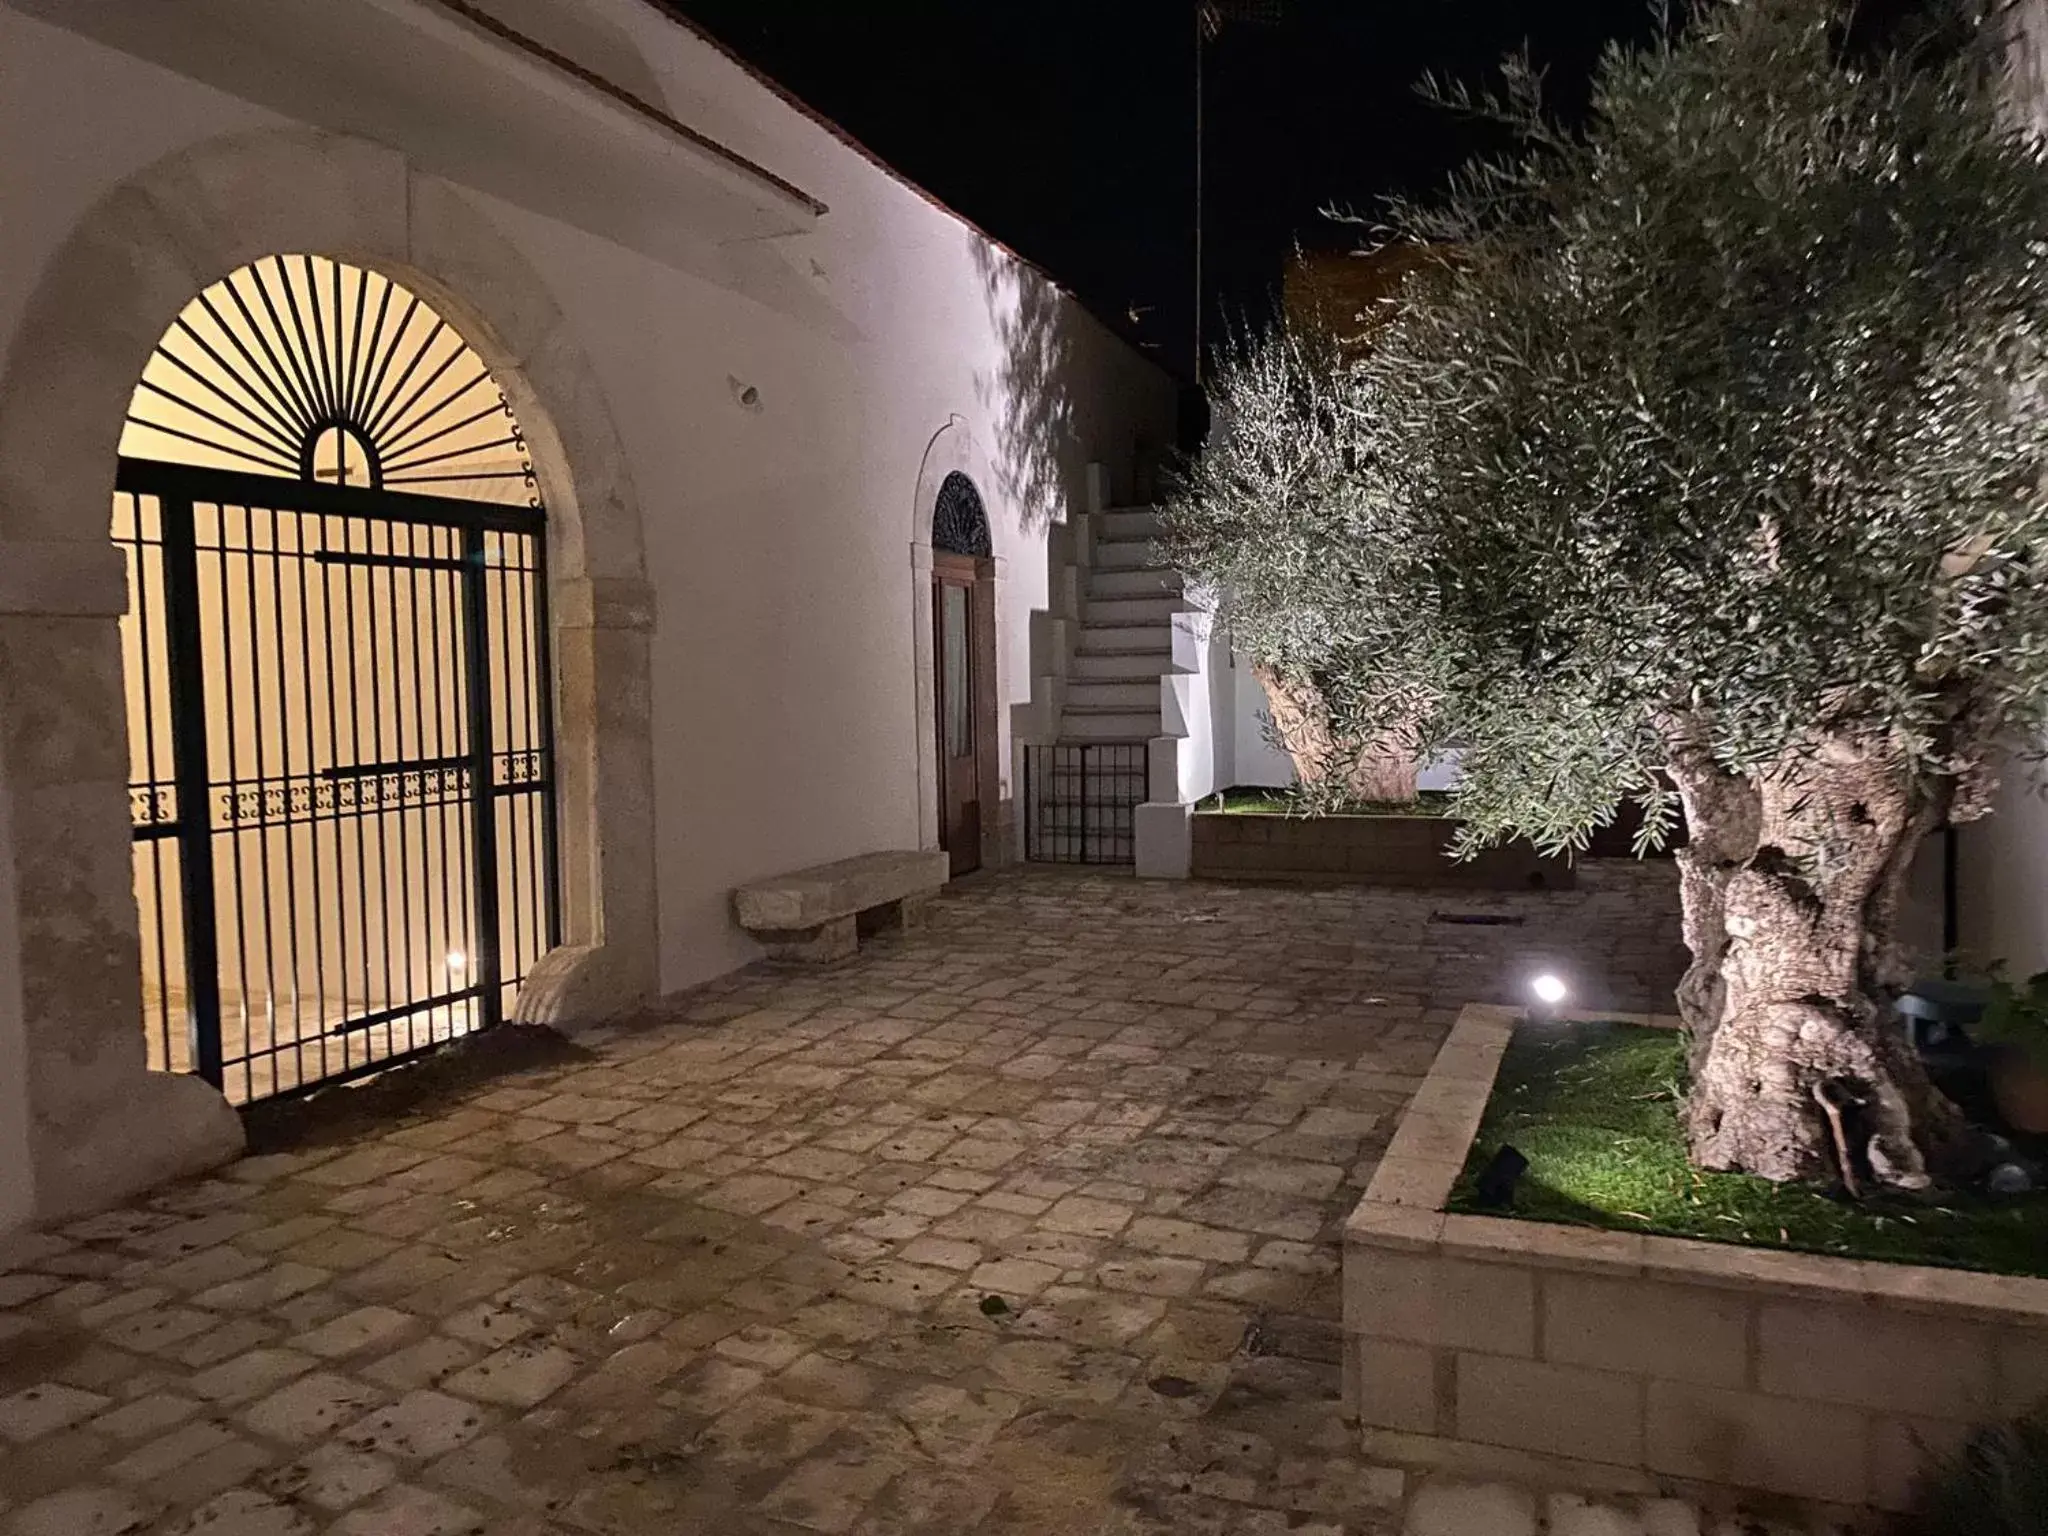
520 768
338 792
312 369
152 805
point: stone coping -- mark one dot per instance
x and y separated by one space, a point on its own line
1403 1208
1391 850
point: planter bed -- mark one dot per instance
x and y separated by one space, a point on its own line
1595 1109
1362 849
1623 1359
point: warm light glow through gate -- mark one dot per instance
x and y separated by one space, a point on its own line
339 695
342 781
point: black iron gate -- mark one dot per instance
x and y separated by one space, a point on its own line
1081 800
343 781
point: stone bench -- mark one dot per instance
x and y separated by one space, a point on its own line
817 915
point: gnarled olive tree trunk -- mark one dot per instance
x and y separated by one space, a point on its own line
1791 886
1383 770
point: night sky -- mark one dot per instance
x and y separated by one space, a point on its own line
1066 127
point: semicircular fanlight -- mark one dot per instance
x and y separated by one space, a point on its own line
959 525
312 369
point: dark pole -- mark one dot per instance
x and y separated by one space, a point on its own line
184 624
486 961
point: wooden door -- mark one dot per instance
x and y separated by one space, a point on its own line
963 654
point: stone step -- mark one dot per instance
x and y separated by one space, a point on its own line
1120 666
1126 555
1138 694
1132 583
1122 639
1134 523
1086 724
1131 610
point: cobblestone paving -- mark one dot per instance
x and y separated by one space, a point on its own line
1027 1223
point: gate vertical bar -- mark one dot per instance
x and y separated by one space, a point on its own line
544 688
1030 809
476 629
1082 774
189 768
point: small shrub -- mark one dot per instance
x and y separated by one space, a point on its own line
1996 1485
2016 1015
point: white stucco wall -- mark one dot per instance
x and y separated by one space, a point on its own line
778 537
2002 876
1255 759
1220 674
781 537
2002 863
1200 704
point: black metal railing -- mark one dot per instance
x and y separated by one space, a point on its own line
341 771
1081 801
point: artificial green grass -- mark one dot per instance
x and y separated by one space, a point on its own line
1261 801
1594 1107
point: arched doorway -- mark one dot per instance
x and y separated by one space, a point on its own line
964 653
100 1124
340 695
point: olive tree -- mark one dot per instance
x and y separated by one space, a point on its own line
1703 465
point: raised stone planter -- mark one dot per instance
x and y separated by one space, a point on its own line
1366 850
1610 1360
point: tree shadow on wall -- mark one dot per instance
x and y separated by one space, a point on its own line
1038 459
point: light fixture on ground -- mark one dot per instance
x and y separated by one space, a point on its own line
1548 990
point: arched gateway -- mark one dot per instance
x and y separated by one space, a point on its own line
307 428
339 690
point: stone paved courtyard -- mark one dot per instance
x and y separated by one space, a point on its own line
1027 1223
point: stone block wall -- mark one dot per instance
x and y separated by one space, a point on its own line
1368 850
1615 1358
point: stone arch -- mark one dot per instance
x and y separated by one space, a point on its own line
104 299
952 450
17 1188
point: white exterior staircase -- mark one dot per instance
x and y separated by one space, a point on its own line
1124 645
1123 656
